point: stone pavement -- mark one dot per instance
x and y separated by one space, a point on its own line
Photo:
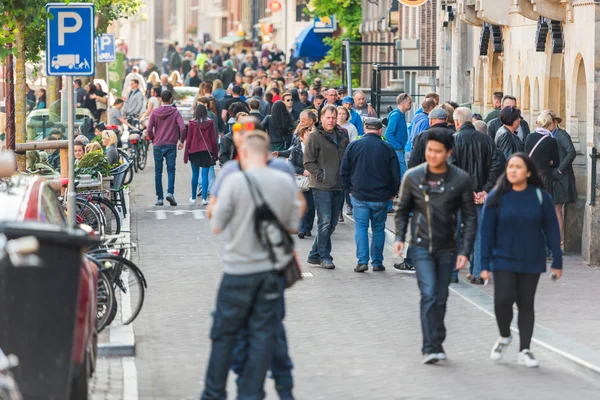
352 336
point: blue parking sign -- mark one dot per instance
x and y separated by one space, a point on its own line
106 48
70 39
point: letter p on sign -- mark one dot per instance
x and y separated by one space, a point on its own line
105 41
62 29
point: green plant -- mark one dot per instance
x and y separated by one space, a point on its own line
93 163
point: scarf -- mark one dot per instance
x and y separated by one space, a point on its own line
543 131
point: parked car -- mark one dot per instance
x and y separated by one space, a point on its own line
185 101
31 198
50 119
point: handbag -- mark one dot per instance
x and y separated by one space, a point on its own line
302 182
536 145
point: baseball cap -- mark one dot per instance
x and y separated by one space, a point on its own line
438 113
554 117
373 123
237 90
348 99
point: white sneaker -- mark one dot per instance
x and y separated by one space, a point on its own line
430 358
192 201
204 202
499 348
527 359
442 356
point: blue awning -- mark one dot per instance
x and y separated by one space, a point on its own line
310 46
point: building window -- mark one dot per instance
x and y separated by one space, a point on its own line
301 14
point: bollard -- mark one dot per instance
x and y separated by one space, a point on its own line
594 156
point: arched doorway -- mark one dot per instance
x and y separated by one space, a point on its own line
509 87
496 78
517 92
479 100
579 109
526 103
535 106
555 96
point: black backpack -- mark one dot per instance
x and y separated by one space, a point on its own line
270 231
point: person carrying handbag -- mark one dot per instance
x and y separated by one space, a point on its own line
543 149
201 150
297 161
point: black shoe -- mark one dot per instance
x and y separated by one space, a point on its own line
390 211
453 280
477 281
307 234
362 268
327 265
379 268
171 199
404 267
314 261
301 235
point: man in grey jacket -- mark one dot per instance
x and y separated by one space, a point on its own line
250 292
135 100
323 153
265 106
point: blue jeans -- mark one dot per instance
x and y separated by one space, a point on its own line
433 276
328 204
169 153
403 168
244 301
306 225
206 180
375 213
475 259
281 364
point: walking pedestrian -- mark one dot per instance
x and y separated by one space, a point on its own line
166 130
474 153
563 179
434 192
507 139
280 126
495 124
201 149
343 121
250 294
135 100
296 159
371 173
543 149
396 133
438 118
419 124
518 223
323 154
355 119
496 102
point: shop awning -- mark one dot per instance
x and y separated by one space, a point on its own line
309 44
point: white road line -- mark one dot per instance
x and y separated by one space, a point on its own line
160 214
199 214
130 382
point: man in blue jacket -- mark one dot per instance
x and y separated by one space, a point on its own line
396 133
419 124
355 118
371 173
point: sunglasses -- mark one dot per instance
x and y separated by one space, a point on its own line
288 100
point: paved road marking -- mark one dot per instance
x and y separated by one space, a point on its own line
307 274
130 383
163 214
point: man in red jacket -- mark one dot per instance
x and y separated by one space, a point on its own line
166 130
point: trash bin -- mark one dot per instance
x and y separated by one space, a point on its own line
38 308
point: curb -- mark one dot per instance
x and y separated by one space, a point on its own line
544 337
121 338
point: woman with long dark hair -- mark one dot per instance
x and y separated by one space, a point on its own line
89 100
518 223
279 125
201 150
41 99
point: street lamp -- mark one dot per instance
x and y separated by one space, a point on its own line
394 15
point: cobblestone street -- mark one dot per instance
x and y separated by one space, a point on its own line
352 336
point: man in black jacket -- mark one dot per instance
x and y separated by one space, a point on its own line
438 118
434 192
474 153
495 124
371 173
228 73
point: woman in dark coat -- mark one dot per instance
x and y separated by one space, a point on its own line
89 99
506 139
563 177
279 125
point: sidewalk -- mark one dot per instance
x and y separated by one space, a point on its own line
567 307
351 336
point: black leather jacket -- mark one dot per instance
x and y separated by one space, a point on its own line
434 211
475 153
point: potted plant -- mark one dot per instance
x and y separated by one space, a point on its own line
93 163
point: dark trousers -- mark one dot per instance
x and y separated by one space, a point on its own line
306 225
511 287
251 301
433 276
169 153
328 204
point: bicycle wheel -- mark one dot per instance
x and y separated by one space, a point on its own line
106 300
89 214
129 285
142 154
112 216
124 157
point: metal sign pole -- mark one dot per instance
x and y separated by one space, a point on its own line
71 139
108 95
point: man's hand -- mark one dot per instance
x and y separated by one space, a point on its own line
461 262
370 110
557 273
485 275
180 146
306 173
398 248
275 154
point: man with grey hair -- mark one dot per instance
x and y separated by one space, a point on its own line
364 109
480 126
475 153
438 118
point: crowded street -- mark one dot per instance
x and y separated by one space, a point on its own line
299 199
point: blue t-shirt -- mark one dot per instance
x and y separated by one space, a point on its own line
234 166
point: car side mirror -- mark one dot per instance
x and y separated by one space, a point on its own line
8 164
